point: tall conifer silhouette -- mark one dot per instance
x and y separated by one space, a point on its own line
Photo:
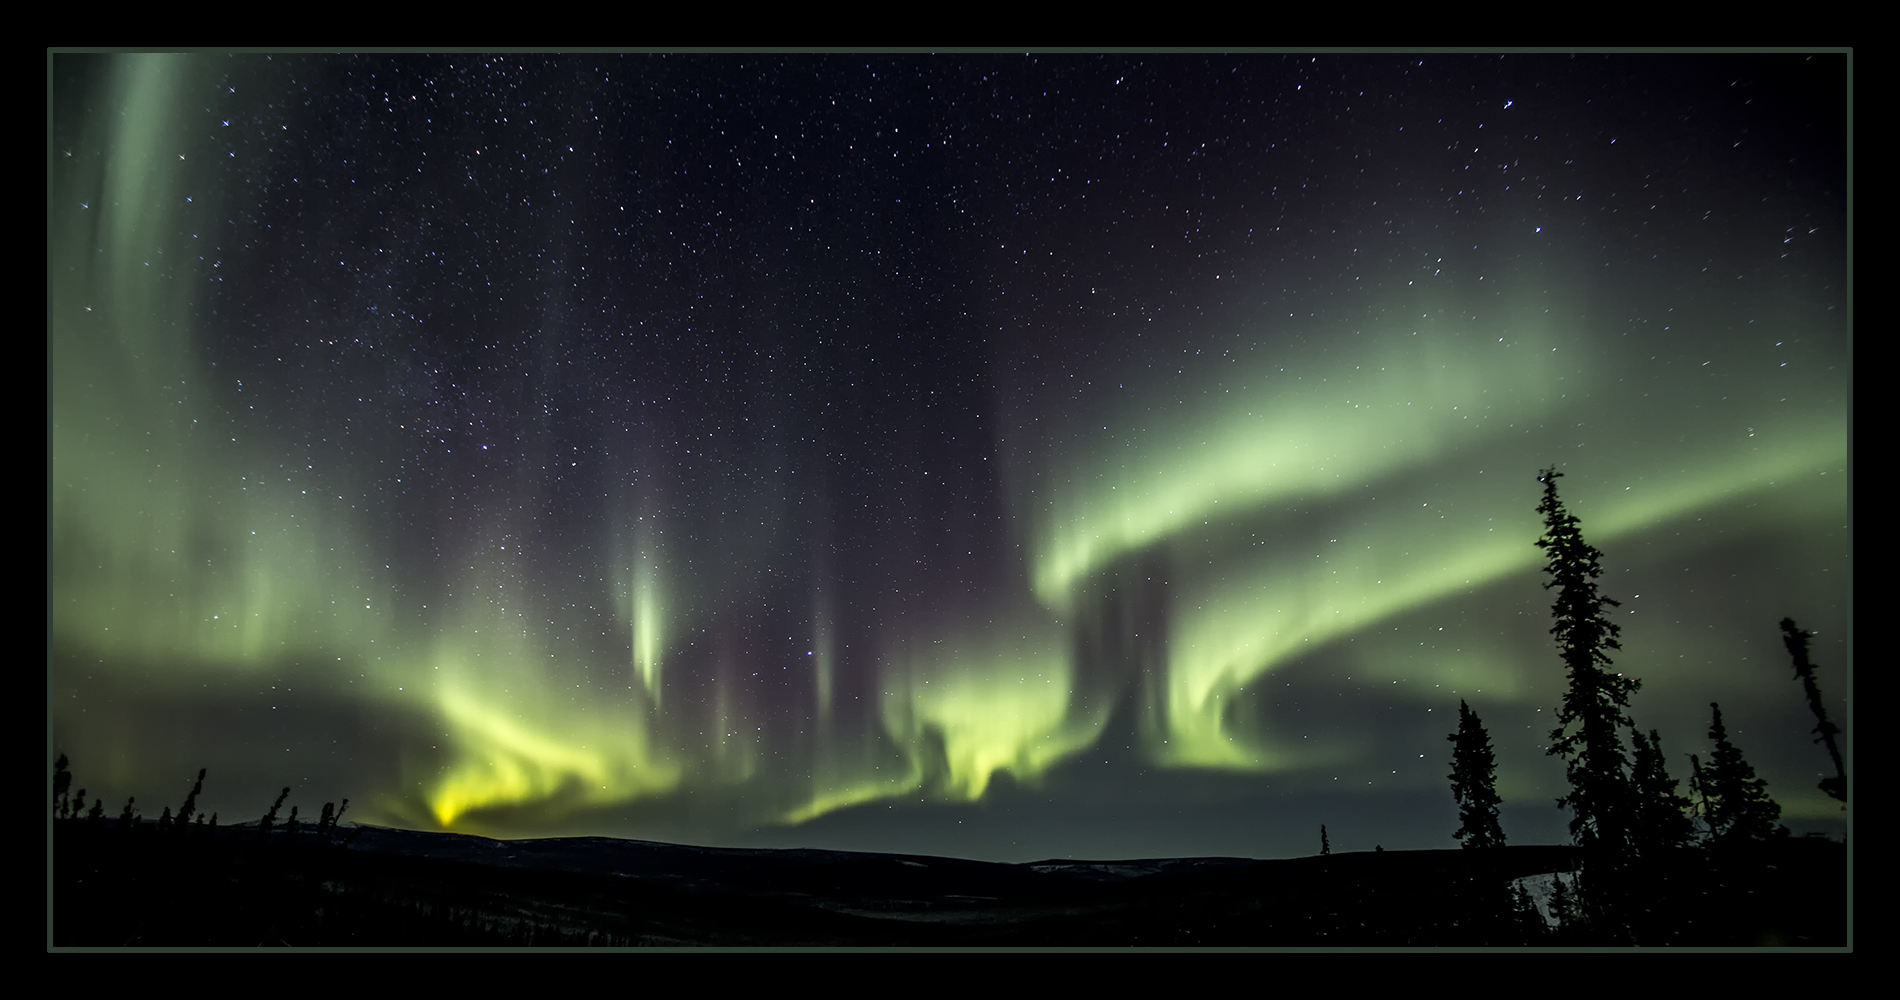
1474 782
1597 703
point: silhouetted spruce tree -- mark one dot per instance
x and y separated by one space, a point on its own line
263 826
1324 846
62 783
1597 702
1739 809
1797 642
128 817
97 814
1474 782
165 820
1661 821
290 825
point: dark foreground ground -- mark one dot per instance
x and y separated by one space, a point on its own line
115 888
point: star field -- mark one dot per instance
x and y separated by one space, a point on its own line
1002 456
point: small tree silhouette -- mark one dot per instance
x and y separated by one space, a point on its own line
77 803
1474 782
327 824
1797 642
1530 923
1739 809
1661 813
191 800
129 817
263 827
1572 922
1325 847
1699 791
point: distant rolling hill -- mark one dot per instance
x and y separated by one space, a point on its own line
407 888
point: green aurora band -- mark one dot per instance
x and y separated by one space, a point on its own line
1290 499
1207 483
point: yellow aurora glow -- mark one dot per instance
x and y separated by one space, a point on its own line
1001 699
522 748
1295 500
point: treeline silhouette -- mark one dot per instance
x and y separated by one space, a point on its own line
134 886
184 880
1648 864
1651 858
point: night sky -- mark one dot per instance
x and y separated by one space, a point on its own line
998 456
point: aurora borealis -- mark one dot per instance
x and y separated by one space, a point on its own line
998 456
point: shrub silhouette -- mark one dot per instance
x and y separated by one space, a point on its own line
62 781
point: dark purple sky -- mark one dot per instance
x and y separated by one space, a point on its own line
1000 456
